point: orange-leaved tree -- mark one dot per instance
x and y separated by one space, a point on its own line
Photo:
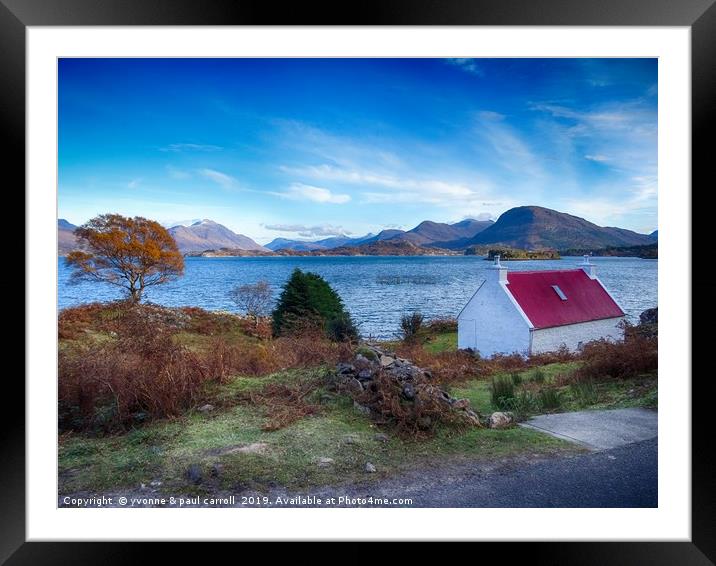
131 253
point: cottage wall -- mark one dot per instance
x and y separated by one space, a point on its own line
574 335
490 323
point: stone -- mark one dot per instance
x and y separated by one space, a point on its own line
380 437
424 422
408 391
461 403
216 470
325 462
500 420
365 374
649 316
193 474
354 385
370 468
362 359
344 368
206 408
155 483
362 409
386 361
349 439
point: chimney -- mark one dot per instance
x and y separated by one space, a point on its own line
499 269
588 267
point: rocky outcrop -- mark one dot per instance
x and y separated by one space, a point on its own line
370 368
649 316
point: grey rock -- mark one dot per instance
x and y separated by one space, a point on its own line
354 385
325 462
155 483
349 439
362 409
193 474
500 420
370 468
206 408
408 391
380 437
386 361
424 422
216 470
365 374
649 316
344 368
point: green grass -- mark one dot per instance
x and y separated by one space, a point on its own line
637 392
163 450
443 342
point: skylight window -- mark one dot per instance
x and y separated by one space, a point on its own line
559 292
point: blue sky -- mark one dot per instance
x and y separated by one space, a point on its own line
311 148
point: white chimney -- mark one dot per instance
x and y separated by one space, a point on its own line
499 269
588 267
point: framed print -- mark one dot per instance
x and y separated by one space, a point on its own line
286 273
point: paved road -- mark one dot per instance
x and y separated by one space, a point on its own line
619 477
599 430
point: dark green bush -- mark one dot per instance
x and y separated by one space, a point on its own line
538 376
502 393
307 300
516 378
584 392
549 399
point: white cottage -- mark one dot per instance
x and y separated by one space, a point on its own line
538 311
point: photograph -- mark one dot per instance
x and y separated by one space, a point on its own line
338 282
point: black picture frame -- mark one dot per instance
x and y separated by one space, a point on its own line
699 15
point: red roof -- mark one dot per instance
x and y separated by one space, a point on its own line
586 298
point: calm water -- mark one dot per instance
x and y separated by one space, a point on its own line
376 290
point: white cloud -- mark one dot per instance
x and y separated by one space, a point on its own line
178 174
469 65
133 184
309 231
599 158
299 191
226 181
180 147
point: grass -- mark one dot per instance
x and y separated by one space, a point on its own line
164 449
641 391
442 342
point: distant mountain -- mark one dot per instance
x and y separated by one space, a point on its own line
66 240
208 235
654 235
535 227
298 245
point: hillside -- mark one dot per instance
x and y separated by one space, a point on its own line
648 251
208 235
535 227
66 241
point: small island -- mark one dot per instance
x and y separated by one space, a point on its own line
512 254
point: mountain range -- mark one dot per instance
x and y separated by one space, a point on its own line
208 235
524 227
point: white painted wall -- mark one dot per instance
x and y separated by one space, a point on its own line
490 323
573 335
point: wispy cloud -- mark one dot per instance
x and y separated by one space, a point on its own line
180 147
226 181
177 174
469 65
304 231
299 191
597 158
134 183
